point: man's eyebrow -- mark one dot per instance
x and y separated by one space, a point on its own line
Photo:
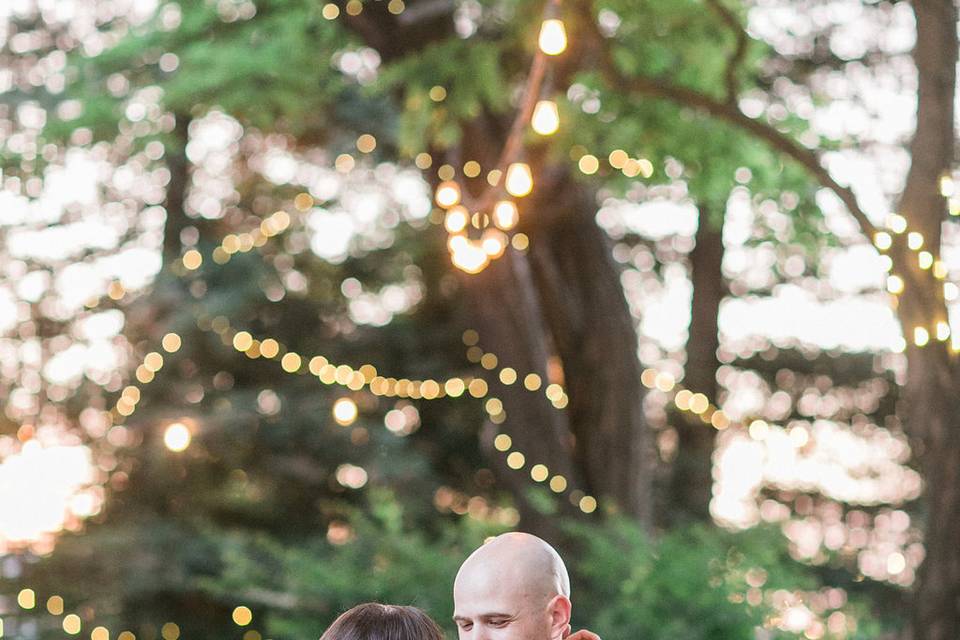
485 616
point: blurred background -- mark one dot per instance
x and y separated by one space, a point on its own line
300 301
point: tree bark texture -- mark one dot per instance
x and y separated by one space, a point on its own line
932 411
595 337
691 479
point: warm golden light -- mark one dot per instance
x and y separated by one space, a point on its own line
925 260
519 179
345 411
532 382
269 348
505 215
242 341
291 362
553 37
520 242
454 387
171 343
170 631
72 624
539 473
915 240
55 605
895 284
494 243
423 160
192 259
456 220
940 270
882 240
177 437
330 11
921 337
699 403
478 387
242 616
448 194
516 460
947 186
546 118
366 143
27 599
896 223
470 258
943 331
153 361
558 484
588 504
588 164
502 442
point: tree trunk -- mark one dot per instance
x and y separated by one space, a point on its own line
510 320
564 298
691 480
932 411
596 340
176 198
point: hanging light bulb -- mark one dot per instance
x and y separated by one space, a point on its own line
519 179
553 37
546 118
505 215
494 243
448 194
456 219
470 258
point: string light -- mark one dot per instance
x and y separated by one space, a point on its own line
494 243
448 194
506 215
177 437
926 261
72 623
456 220
546 118
553 37
345 411
519 181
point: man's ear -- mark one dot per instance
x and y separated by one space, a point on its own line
559 611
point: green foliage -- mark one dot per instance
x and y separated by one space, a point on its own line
472 77
692 583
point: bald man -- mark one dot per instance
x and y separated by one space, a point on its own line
515 587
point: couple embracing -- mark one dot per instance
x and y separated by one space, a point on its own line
514 587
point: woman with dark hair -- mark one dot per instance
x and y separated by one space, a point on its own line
374 621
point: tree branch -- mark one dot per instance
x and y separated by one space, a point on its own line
730 114
743 41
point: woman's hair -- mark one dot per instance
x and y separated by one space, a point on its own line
373 621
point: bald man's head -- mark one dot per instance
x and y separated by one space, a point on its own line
514 587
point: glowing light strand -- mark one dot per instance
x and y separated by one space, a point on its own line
28 600
474 255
